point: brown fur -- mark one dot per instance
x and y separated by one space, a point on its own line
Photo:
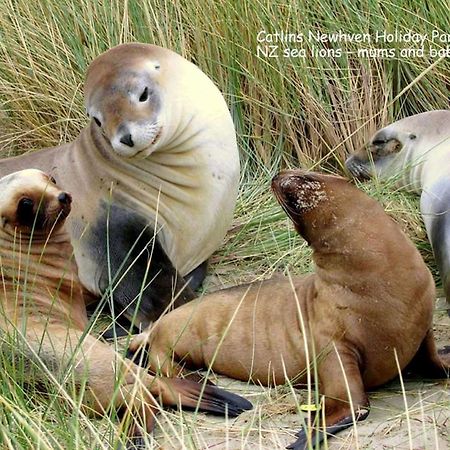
369 302
41 298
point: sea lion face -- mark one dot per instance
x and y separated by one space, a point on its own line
392 148
123 98
31 203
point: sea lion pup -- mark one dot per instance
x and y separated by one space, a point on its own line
156 174
416 150
41 300
369 302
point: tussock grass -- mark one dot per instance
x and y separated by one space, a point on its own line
304 110
288 112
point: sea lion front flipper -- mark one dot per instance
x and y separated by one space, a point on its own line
343 393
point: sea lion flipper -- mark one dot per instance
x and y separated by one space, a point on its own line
428 361
345 397
318 436
204 397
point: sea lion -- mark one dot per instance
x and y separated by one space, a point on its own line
42 307
156 175
416 151
366 310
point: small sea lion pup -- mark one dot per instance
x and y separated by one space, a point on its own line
364 313
416 151
156 175
42 306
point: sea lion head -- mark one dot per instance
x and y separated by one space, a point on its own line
299 193
31 203
317 204
400 144
123 97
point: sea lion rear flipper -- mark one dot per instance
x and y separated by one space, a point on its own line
428 361
206 398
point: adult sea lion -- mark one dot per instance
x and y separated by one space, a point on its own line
366 311
155 173
416 150
42 306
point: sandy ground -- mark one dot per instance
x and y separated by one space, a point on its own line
274 419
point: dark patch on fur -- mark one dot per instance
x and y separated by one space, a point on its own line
137 263
196 277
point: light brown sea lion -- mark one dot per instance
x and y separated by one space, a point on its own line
42 306
366 310
155 173
415 151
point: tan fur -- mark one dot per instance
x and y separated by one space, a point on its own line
184 177
41 299
370 298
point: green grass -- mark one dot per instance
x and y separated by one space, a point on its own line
288 112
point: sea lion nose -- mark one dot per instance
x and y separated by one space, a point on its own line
127 140
65 198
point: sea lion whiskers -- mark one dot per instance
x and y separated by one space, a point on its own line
161 132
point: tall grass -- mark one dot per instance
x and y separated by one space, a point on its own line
287 111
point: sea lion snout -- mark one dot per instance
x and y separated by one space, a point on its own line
32 203
358 167
65 198
382 147
298 191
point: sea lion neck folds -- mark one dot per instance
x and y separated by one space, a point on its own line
161 150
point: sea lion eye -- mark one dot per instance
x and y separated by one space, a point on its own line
52 179
144 95
25 209
97 122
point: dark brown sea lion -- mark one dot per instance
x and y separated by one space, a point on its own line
365 312
43 309
155 174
